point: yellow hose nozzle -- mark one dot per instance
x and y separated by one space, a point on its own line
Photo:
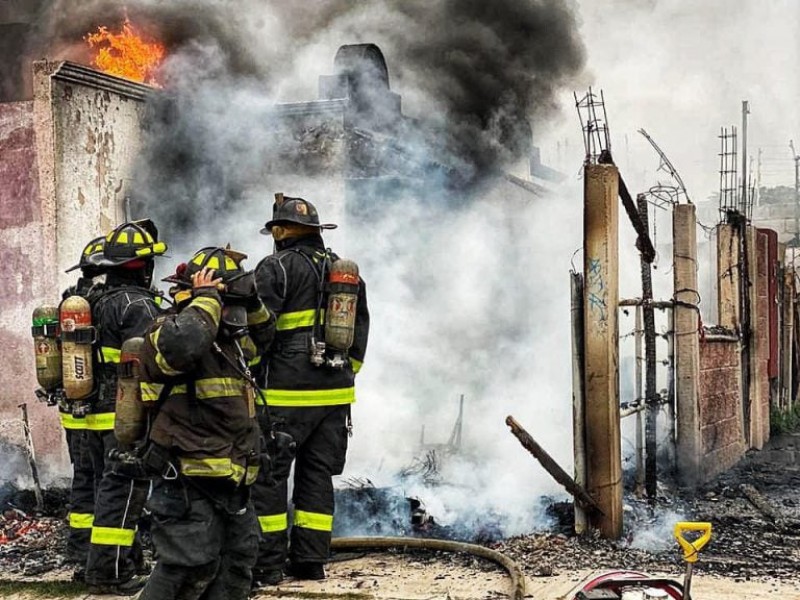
691 550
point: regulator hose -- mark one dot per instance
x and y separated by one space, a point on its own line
401 543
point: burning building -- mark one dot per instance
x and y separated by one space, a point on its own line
70 157
202 157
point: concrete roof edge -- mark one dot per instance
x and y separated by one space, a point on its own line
83 75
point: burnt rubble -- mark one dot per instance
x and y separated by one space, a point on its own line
32 543
753 508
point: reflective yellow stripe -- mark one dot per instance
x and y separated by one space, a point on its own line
251 475
112 536
150 391
211 467
356 364
161 362
219 387
238 472
210 306
260 397
254 361
301 318
70 422
81 520
258 316
100 421
311 520
311 397
248 345
110 355
273 523
214 387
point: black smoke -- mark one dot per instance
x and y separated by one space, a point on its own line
482 69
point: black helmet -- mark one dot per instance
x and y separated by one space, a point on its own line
130 242
225 262
92 251
294 210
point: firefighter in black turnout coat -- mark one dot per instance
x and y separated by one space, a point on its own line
124 310
309 402
84 478
203 436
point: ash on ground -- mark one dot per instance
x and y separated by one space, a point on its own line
754 510
32 542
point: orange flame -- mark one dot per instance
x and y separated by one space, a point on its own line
126 54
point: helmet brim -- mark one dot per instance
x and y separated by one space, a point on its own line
73 267
267 229
177 280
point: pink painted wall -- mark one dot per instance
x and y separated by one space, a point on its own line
30 272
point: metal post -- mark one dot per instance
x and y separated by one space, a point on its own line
796 240
639 398
671 378
743 201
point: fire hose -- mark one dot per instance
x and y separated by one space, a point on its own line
401 543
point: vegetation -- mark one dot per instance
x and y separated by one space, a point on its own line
42 589
785 421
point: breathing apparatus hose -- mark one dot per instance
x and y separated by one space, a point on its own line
402 543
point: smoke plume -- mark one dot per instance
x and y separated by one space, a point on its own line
460 277
476 71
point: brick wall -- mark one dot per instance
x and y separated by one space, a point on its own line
720 406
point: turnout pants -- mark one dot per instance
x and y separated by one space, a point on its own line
81 497
321 436
206 538
114 553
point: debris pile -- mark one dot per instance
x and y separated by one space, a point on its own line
30 543
753 509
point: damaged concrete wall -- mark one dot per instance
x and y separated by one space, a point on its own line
86 163
65 160
719 399
27 254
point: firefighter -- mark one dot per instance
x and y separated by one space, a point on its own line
204 437
310 403
124 310
83 488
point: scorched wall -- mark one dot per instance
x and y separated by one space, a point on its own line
65 162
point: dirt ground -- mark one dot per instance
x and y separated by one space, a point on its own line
754 553
399 577
421 577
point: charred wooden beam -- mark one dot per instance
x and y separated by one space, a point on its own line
643 242
551 466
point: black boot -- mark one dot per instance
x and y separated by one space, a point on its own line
305 570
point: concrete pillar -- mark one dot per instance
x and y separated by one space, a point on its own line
601 386
728 276
687 343
759 337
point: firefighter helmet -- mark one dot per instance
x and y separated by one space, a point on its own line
92 251
294 210
129 242
225 262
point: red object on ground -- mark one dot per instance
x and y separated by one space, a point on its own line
616 580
